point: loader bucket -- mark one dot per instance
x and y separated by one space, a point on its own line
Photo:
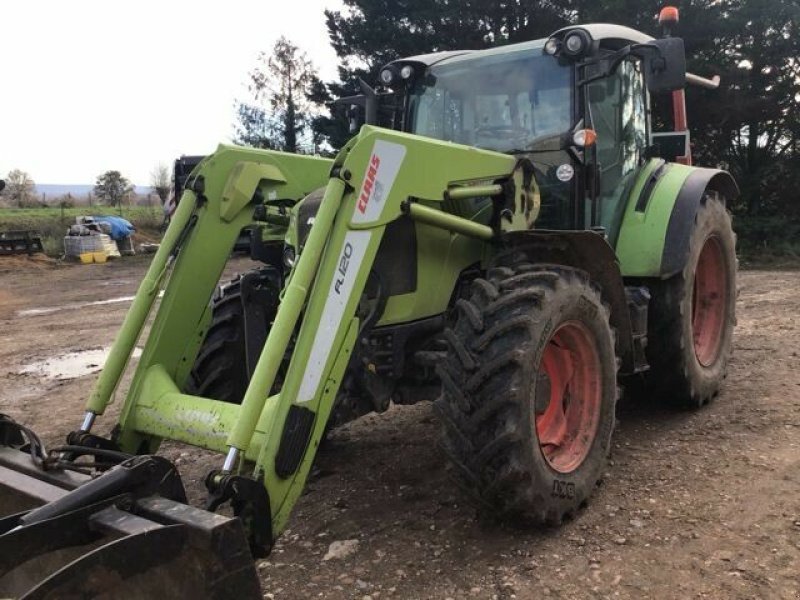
66 535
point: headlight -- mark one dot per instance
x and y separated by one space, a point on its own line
406 72
551 47
576 43
387 77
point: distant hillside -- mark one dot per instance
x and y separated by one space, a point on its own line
53 190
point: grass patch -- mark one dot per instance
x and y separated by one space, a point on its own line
53 222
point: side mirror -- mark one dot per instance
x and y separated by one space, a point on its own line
665 67
368 100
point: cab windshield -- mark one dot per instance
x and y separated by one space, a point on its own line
501 102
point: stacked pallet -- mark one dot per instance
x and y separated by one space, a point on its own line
97 247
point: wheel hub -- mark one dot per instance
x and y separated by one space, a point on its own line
708 302
568 397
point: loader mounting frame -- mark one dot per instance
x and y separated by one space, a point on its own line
272 439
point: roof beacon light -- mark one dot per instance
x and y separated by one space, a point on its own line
584 138
669 15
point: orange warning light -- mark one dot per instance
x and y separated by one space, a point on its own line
668 14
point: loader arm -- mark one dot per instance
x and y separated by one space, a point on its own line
372 182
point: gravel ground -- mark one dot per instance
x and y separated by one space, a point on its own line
693 505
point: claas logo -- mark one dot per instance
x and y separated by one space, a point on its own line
369 183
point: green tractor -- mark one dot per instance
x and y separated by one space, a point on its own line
506 234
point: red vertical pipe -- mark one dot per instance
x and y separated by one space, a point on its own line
680 121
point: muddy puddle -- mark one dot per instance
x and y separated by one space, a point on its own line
72 364
31 312
48 310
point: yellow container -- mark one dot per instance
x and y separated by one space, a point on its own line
100 257
87 257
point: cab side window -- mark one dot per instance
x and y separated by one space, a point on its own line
618 110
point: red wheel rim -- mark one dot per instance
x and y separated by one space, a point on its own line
708 302
568 397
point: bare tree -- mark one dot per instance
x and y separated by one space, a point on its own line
20 188
160 180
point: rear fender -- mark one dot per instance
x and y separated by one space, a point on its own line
591 253
654 236
692 195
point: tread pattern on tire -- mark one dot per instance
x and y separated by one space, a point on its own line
673 376
220 371
483 408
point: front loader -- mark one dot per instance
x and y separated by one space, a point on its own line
505 234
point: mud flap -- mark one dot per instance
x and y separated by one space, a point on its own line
118 547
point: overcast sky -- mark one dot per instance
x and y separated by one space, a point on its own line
92 85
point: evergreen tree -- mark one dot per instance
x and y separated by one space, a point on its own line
279 112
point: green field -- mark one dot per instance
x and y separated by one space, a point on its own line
767 242
53 222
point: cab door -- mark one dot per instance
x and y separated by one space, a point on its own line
618 111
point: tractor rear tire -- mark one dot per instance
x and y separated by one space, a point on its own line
529 389
220 369
692 315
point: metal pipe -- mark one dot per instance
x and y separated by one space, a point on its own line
443 220
370 103
710 84
473 191
140 308
88 421
681 121
230 460
294 299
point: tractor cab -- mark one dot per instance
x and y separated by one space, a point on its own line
577 105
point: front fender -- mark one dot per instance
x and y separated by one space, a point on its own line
654 237
590 252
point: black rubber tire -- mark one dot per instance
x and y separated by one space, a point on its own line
487 400
220 369
676 377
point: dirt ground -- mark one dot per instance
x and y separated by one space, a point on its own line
693 505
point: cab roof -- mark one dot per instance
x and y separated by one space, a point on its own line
609 35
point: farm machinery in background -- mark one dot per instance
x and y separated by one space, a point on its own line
515 237
181 170
19 241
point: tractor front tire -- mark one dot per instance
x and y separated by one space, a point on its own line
692 315
220 369
529 389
